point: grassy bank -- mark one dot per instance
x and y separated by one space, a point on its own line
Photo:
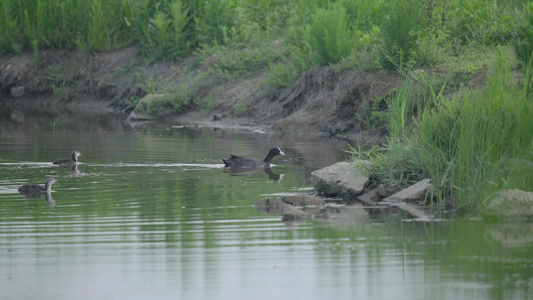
472 144
284 38
381 34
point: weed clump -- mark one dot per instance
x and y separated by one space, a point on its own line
472 145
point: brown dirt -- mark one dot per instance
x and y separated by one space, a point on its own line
69 79
322 100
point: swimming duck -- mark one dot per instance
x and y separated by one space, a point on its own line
35 190
240 162
68 161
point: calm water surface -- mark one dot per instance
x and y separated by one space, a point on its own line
150 213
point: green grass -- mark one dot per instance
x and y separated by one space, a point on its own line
476 132
240 108
164 35
401 26
395 35
475 58
329 36
522 43
240 59
471 146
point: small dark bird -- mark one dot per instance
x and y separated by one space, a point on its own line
68 161
35 190
245 162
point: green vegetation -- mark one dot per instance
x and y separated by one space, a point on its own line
393 35
402 26
471 145
458 136
240 107
175 96
328 36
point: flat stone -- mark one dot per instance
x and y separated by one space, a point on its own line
304 200
512 203
368 198
269 205
343 179
413 193
291 213
382 191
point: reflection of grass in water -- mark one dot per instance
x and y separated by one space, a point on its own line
163 189
444 252
513 235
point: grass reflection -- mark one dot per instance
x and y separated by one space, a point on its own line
158 215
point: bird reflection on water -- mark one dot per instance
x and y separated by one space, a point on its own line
247 162
247 171
49 200
244 165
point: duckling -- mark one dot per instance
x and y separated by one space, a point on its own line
35 190
68 161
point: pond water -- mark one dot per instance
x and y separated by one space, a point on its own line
150 212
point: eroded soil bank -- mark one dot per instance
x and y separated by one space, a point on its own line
322 100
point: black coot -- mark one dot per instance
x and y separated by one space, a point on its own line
35 190
245 162
68 161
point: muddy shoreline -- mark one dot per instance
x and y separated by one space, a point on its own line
322 101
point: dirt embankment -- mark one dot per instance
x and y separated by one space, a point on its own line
322 100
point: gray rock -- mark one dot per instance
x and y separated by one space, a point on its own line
512 204
382 191
269 205
372 197
413 193
304 200
17 91
343 179
274 205
291 213
368 198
